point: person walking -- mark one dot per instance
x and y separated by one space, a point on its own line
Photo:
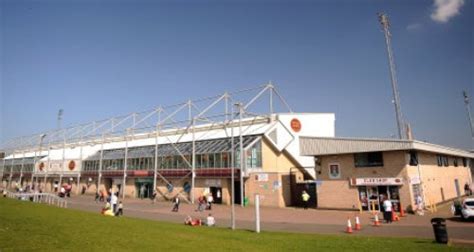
420 207
387 214
119 210
113 202
305 197
176 202
153 197
210 199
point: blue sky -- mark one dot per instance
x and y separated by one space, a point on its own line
97 59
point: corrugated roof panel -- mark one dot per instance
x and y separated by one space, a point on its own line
202 147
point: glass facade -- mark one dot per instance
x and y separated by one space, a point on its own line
203 160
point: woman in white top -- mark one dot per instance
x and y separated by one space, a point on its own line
387 214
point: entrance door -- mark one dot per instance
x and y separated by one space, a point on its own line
237 192
216 194
144 189
373 193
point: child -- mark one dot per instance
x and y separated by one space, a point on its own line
120 209
176 202
210 221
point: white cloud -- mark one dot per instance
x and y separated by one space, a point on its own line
446 9
413 27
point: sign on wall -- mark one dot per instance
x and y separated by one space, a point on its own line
261 177
295 125
212 182
415 180
375 181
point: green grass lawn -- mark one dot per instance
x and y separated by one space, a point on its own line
30 226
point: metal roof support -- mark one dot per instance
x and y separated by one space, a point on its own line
271 97
282 100
257 96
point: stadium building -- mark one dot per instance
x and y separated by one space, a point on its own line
219 144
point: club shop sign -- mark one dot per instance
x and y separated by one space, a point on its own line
376 181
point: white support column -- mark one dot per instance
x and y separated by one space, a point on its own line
193 168
155 167
257 213
125 166
49 165
241 141
64 160
21 169
11 172
99 176
232 165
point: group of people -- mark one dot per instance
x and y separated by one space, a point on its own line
102 195
210 221
205 202
111 207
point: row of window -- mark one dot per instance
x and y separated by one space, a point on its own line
443 160
210 160
18 168
371 159
368 159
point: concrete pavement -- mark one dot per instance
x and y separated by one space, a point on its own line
288 219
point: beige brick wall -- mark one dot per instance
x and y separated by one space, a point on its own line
438 182
276 191
337 193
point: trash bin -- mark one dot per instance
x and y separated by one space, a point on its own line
246 201
440 230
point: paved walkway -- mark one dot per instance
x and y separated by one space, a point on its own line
289 219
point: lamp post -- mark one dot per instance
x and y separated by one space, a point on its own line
241 153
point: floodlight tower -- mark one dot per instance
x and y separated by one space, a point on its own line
60 117
468 110
383 18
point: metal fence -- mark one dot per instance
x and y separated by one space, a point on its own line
47 198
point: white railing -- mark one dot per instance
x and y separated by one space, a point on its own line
48 198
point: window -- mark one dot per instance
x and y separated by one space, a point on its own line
464 162
445 161
368 159
211 160
442 160
254 156
218 161
225 159
439 159
413 158
334 171
455 162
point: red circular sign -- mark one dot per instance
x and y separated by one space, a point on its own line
41 166
295 125
71 165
